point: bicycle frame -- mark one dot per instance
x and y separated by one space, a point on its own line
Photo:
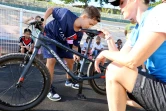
41 40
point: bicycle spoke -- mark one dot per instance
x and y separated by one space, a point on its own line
11 97
19 71
12 74
26 90
21 94
28 75
4 92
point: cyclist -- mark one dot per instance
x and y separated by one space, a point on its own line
147 43
66 25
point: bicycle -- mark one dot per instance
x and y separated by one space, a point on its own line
30 81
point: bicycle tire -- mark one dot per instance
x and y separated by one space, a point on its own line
13 60
93 82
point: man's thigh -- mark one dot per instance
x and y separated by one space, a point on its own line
149 93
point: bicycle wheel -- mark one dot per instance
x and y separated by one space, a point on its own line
98 85
32 90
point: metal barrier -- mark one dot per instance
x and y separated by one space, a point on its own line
12 26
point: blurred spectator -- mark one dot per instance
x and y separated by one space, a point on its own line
129 27
84 48
97 46
26 42
119 44
34 30
35 33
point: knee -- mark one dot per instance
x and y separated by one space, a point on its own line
113 73
51 61
22 50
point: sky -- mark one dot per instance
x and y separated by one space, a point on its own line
97 4
90 3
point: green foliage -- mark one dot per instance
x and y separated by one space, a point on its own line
72 1
155 3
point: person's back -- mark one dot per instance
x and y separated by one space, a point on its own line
156 63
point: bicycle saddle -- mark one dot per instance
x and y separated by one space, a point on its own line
91 32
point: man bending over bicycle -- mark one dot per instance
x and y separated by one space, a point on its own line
66 25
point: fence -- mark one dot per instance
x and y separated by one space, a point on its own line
11 27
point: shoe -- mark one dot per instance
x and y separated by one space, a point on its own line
53 95
143 70
69 83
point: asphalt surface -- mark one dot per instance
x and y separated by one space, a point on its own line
69 102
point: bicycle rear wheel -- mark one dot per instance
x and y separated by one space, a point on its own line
98 85
32 90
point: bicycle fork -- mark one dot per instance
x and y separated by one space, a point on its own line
28 61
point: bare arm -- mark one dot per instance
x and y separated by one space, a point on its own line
107 35
111 45
143 49
47 14
21 45
27 21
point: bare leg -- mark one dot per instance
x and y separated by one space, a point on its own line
70 63
116 104
118 80
22 50
50 65
133 103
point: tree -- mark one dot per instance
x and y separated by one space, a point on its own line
155 3
72 1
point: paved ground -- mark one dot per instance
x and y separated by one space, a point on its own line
94 102
69 102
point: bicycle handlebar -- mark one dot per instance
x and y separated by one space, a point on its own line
38 24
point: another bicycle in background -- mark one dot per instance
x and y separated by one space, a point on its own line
25 81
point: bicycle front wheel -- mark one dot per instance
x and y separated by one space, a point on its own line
30 92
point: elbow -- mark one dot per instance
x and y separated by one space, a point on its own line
132 64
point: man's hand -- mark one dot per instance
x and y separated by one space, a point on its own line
76 58
100 59
106 34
